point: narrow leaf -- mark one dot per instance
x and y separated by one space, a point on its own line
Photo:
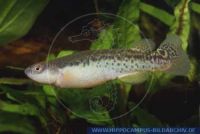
195 7
64 53
181 26
24 109
14 81
160 14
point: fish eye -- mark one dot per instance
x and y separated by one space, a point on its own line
38 68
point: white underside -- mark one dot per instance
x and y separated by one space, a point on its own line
84 77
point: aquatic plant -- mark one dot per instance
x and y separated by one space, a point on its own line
43 108
13 13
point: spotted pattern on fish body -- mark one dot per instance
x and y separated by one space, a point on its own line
171 51
90 68
113 56
117 59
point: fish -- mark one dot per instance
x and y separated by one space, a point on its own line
91 68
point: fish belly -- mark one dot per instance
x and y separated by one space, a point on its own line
81 77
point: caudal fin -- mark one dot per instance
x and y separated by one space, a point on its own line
180 63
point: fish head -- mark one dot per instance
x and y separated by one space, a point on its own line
42 72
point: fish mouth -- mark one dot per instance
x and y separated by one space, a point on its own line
27 71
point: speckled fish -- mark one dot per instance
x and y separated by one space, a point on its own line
90 68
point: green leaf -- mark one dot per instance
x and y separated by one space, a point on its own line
60 54
193 73
195 7
181 25
51 93
160 14
84 104
31 103
126 31
14 81
49 90
10 122
105 40
36 97
17 17
64 53
9 96
123 32
24 109
50 57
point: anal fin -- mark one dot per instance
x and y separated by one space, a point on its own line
134 78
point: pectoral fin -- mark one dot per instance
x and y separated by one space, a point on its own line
134 78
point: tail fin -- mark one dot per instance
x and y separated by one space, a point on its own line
180 63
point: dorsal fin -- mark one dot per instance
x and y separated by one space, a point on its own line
146 45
